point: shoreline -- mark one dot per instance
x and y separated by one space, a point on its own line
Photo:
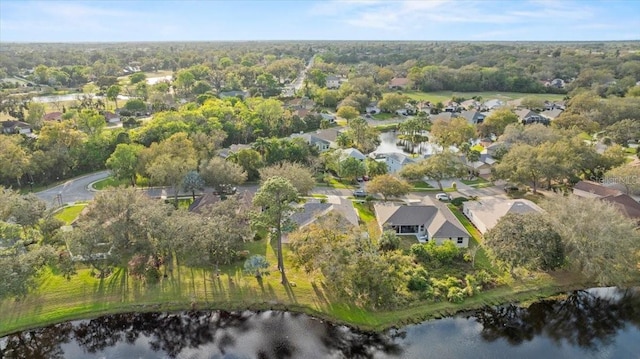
386 320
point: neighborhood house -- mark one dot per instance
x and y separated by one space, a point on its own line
485 213
428 222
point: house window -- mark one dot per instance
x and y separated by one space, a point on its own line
460 240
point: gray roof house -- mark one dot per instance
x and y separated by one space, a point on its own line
473 117
333 82
551 114
352 152
428 222
322 139
485 213
492 104
395 161
527 117
225 152
312 210
13 127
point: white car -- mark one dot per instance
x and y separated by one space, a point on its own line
443 197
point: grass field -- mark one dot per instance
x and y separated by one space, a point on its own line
57 299
443 96
69 213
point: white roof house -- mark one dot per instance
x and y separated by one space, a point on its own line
485 213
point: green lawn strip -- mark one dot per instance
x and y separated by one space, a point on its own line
482 260
69 213
384 116
321 196
477 180
420 185
343 184
84 296
109 182
386 127
407 241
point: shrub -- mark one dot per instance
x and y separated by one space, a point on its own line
445 253
420 253
256 265
388 241
243 255
455 295
152 275
418 283
458 201
454 186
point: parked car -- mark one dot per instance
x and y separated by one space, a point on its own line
443 197
359 193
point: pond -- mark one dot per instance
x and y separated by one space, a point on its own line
390 143
595 323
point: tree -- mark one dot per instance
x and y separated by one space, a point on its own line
453 132
123 162
112 94
135 105
352 168
389 241
137 77
219 173
90 122
192 182
498 120
522 164
532 103
170 160
35 114
626 175
603 253
249 160
438 167
300 177
526 240
348 112
375 168
20 269
14 159
573 121
389 186
624 131
392 101
275 196
256 265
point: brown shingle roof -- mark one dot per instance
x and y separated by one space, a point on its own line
627 205
596 188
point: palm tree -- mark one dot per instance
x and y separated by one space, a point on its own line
261 145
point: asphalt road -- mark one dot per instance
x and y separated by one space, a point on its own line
73 190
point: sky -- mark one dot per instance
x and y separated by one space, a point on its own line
239 20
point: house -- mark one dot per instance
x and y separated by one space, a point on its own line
53 116
492 105
226 152
399 83
528 117
352 152
495 147
333 82
481 167
485 213
312 210
473 117
589 189
551 114
428 222
557 83
111 117
470 105
322 139
329 117
16 127
207 199
395 161
300 103
623 202
445 116
451 106
241 94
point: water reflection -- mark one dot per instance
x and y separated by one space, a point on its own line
585 324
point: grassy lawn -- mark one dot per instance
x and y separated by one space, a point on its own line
341 183
482 260
420 185
386 127
384 116
69 213
443 96
110 182
476 181
321 196
407 241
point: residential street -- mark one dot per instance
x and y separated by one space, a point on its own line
73 190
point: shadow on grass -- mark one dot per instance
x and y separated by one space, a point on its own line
320 294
